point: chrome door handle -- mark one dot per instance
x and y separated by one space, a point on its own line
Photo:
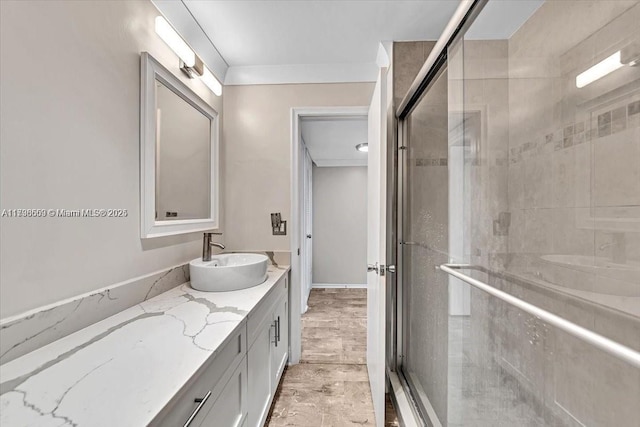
200 401
372 267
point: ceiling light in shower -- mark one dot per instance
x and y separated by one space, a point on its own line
175 42
364 147
599 70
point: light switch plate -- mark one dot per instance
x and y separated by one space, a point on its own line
282 230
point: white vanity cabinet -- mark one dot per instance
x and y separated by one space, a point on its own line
281 350
236 387
230 409
220 383
268 343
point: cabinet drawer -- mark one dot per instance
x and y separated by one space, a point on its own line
230 409
213 374
262 313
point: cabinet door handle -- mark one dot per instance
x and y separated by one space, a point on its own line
275 332
200 401
278 335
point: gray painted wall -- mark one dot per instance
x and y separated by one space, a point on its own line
257 121
340 225
71 139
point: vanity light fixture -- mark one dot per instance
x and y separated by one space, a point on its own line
210 80
599 70
190 63
364 147
195 70
175 42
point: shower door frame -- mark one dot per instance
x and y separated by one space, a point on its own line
401 387
421 410
432 69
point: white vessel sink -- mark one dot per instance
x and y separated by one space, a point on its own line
228 272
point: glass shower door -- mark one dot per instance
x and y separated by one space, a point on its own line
424 246
529 178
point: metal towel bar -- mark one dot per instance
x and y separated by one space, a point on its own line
603 343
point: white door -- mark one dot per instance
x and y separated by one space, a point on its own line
308 220
376 251
306 166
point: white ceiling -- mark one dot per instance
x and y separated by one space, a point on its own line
315 32
317 41
332 141
266 40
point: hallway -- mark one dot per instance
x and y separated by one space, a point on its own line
330 386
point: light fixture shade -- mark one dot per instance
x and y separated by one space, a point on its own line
212 83
364 147
599 70
175 42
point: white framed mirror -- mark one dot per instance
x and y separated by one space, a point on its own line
178 156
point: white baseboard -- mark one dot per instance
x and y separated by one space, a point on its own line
339 285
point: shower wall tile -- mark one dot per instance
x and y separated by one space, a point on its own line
616 391
541 158
550 365
618 225
561 185
574 168
486 94
572 366
516 186
566 236
606 395
557 27
496 59
517 232
408 58
537 182
619 327
613 37
532 108
582 175
537 230
616 169
633 247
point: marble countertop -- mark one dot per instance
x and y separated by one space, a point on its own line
124 370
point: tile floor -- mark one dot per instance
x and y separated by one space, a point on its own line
330 387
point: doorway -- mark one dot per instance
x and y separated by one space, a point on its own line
377 114
302 198
329 385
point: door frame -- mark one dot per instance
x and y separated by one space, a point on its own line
297 267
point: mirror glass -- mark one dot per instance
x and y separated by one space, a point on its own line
183 158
